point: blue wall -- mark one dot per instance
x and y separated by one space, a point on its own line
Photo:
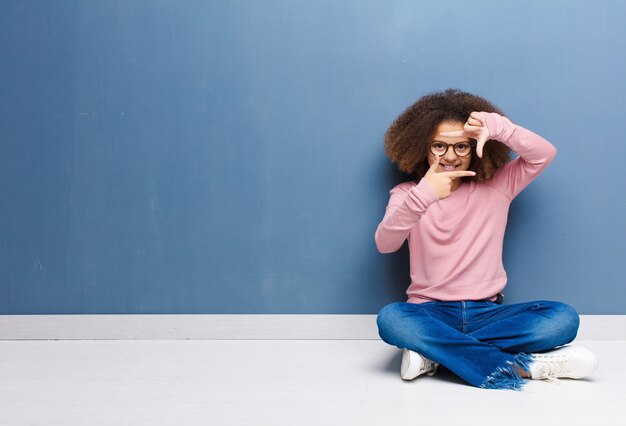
226 156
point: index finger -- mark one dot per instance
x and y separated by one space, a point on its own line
460 173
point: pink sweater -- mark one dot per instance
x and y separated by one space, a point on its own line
455 244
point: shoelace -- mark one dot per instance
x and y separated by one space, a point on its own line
429 367
551 366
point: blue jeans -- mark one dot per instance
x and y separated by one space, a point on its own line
480 341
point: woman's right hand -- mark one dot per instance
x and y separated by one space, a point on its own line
441 183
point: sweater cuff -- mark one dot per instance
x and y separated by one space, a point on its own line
500 127
422 195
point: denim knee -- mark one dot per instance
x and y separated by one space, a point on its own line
570 321
401 324
563 323
387 316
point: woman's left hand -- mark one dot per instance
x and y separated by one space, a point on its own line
476 128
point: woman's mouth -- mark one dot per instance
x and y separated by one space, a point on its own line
448 168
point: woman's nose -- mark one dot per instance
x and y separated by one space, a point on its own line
450 155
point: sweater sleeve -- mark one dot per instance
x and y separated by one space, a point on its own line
407 204
535 154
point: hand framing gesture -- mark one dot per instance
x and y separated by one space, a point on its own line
442 182
476 128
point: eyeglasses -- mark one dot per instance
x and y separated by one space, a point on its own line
461 149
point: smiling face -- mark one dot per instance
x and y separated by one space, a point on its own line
450 161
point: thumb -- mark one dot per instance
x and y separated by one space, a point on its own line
480 143
483 137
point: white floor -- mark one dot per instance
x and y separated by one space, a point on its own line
278 382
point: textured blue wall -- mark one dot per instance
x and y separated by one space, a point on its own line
226 156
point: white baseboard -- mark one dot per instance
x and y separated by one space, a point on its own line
234 327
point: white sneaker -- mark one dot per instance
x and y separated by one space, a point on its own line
414 365
570 362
